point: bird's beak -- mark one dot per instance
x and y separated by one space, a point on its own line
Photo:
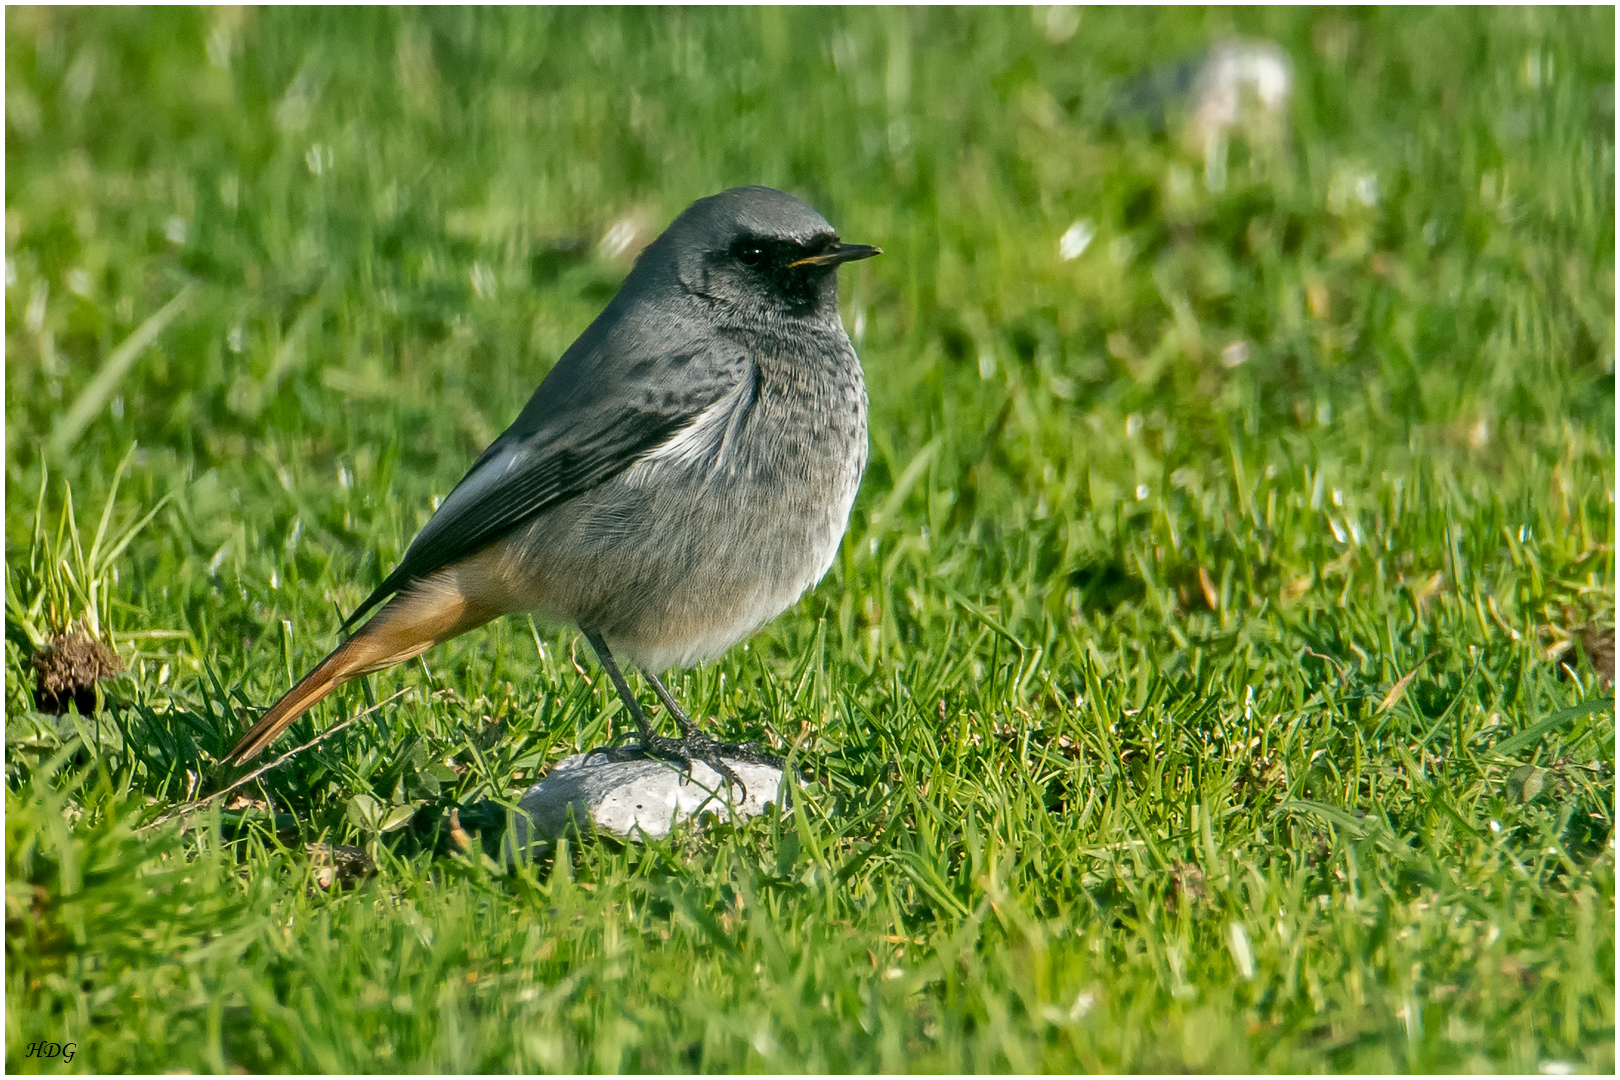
843 253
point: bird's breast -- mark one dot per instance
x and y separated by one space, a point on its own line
722 527
789 440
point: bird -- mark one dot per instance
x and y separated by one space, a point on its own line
682 475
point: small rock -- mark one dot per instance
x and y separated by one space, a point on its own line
339 864
1186 886
1597 642
1240 84
1233 87
637 799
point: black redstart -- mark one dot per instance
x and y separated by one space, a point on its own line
680 477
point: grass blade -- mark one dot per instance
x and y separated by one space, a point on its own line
72 424
1530 735
107 507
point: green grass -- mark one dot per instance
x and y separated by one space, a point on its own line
1163 714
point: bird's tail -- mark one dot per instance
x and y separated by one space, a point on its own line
429 612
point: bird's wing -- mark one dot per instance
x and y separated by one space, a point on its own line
592 417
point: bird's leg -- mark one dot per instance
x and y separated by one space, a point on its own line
685 722
697 744
611 666
692 746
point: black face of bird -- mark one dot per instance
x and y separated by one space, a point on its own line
799 275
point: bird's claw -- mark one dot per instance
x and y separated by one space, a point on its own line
697 746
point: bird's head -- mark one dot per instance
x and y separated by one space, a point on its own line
756 249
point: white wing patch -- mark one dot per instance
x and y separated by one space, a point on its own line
704 439
475 483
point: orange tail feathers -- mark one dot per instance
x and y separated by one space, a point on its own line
431 611
342 664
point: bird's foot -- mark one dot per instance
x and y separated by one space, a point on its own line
696 746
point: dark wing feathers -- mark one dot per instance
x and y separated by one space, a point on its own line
582 428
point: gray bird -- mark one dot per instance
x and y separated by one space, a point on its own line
680 477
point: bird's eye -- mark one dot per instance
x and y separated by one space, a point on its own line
750 254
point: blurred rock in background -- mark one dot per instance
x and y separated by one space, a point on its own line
1237 88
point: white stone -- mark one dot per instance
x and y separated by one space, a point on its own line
641 799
